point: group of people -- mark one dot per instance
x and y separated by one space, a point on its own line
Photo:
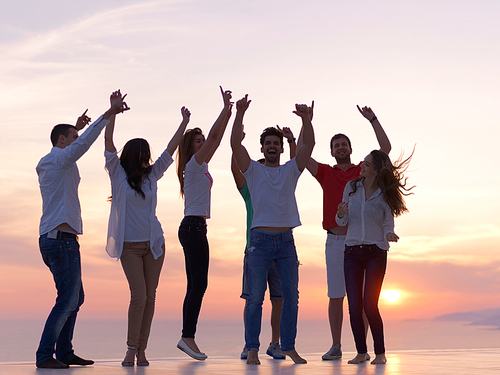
356 253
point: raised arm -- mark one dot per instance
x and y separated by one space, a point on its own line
177 137
214 137
239 179
240 153
117 106
312 165
383 140
305 150
288 134
220 135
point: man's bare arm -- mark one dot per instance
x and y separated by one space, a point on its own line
239 151
312 165
305 150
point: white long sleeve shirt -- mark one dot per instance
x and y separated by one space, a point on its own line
117 217
59 178
369 220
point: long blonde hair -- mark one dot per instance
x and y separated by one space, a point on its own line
391 180
185 153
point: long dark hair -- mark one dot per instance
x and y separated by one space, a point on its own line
390 180
135 154
185 153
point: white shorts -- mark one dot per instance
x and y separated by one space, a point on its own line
334 252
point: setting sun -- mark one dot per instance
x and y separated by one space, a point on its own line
391 295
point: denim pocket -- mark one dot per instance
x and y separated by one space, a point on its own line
53 254
256 238
288 238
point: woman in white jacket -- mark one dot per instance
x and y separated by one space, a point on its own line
135 235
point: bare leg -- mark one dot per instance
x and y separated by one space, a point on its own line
129 359
141 358
253 357
277 305
295 356
192 344
360 358
379 359
336 316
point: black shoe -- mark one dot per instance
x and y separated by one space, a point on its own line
80 361
52 363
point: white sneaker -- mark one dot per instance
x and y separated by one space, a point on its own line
333 353
274 350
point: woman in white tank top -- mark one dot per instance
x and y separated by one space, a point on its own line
195 181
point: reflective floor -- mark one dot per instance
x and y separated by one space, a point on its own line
444 362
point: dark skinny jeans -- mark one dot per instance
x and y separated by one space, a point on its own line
364 270
193 238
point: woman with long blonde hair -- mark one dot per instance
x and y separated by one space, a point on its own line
195 184
369 205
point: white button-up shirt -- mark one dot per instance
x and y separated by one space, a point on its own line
369 220
59 178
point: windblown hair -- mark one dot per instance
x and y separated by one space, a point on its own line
271 131
58 130
135 154
391 180
185 153
338 136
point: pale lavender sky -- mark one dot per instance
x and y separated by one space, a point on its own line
429 71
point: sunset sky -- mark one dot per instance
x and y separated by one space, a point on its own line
429 70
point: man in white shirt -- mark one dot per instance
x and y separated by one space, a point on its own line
60 224
272 188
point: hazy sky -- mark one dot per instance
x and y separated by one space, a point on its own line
429 70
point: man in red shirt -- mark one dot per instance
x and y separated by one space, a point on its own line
333 181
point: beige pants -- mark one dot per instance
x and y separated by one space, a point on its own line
143 273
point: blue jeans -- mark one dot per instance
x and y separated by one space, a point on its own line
62 256
364 270
266 247
193 238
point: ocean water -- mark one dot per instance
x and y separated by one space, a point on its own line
107 339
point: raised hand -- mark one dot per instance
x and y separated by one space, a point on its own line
82 121
392 237
117 103
311 109
186 115
342 209
301 110
367 113
226 97
242 104
287 132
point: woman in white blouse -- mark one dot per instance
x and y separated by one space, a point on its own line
135 235
369 205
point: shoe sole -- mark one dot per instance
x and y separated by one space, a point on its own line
270 354
331 358
191 354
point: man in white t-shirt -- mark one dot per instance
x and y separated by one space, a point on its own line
272 188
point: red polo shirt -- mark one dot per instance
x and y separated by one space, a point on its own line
333 181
